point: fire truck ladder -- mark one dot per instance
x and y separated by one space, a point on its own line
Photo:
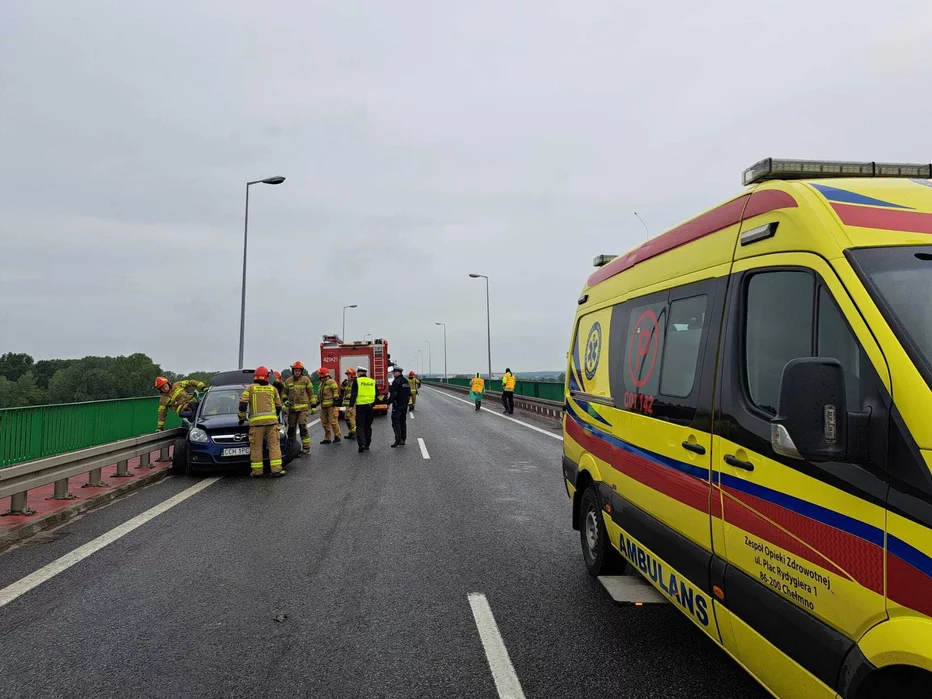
379 369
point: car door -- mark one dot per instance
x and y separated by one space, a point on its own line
804 542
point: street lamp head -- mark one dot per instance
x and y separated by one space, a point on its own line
438 323
353 306
474 276
273 180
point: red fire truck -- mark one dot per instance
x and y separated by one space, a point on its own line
338 356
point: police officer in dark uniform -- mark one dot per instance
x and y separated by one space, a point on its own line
398 395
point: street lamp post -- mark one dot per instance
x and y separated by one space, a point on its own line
430 363
343 336
242 312
488 322
444 351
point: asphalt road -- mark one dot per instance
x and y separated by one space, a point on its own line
366 560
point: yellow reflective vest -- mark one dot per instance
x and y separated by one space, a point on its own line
477 385
365 390
508 382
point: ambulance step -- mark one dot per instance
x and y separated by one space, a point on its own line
631 590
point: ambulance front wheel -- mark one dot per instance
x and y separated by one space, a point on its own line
598 554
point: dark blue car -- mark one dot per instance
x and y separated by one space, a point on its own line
215 441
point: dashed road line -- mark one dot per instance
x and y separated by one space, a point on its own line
420 443
47 572
498 414
503 672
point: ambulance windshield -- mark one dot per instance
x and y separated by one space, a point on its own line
900 280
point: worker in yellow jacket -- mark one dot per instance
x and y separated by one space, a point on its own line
264 405
329 397
176 397
415 382
299 399
508 392
476 389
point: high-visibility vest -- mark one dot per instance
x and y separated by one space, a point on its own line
478 385
262 401
365 391
508 382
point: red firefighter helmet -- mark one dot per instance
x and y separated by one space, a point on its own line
278 375
350 372
411 374
261 374
323 371
298 365
161 381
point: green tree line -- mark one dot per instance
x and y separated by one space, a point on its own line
24 381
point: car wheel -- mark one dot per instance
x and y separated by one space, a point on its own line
294 449
599 555
180 457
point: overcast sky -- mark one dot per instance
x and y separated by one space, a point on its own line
421 140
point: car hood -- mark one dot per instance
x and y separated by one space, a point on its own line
218 422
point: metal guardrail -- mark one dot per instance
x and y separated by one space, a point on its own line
16 481
40 431
547 408
552 391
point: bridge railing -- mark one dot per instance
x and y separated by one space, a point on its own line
38 432
545 390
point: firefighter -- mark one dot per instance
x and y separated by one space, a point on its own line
264 406
415 382
279 385
399 396
300 398
508 392
362 398
476 389
328 396
175 397
349 413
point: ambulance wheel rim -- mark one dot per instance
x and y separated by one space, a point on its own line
592 532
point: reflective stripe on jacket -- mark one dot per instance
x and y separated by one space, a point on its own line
300 392
347 388
329 392
365 390
264 403
508 382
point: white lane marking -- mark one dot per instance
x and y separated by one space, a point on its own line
420 443
503 672
47 572
311 424
498 414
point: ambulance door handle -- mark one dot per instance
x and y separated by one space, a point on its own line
732 460
694 448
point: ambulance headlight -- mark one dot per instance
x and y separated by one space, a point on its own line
198 436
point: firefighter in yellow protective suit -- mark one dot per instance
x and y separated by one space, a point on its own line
264 406
349 413
328 397
415 383
175 397
279 385
300 399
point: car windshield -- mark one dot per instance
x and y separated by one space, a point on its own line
900 280
221 402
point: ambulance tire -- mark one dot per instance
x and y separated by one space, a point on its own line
599 555
179 465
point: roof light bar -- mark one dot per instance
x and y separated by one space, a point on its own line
782 169
602 260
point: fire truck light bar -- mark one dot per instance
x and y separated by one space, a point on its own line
778 169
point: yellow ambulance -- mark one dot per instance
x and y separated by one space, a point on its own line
748 425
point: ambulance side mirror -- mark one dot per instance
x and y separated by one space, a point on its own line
812 420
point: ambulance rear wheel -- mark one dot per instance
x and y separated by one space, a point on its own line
598 554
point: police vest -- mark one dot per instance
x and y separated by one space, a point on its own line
365 391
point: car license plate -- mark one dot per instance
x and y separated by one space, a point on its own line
236 451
